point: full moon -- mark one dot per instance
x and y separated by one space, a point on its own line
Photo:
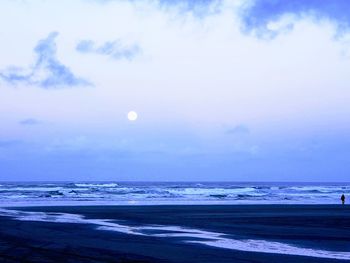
132 116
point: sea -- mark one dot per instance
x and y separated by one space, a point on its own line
162 193
24 194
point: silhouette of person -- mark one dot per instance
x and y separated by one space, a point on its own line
342 198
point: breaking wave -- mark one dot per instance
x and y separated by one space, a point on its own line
12 194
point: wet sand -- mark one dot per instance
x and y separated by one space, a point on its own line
318 227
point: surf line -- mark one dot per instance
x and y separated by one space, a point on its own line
213 239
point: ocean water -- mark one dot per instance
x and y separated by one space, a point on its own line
148 193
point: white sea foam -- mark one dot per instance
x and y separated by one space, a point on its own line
214 239
96 185
272 247
211 191
32 188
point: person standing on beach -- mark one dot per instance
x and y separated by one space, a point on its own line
342 198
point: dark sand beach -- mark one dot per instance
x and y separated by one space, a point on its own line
25 238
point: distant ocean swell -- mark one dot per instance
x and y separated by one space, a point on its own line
153 193
184 234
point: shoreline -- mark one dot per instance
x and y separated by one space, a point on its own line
160 203
173 233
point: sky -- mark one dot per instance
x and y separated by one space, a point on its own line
240 90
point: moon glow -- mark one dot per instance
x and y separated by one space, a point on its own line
132 116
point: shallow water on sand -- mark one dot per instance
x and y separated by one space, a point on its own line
184 234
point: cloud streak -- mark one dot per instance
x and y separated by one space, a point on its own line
30 122
197 7
47 72
8 143
239 129
113 49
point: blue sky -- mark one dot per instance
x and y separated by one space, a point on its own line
241 90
